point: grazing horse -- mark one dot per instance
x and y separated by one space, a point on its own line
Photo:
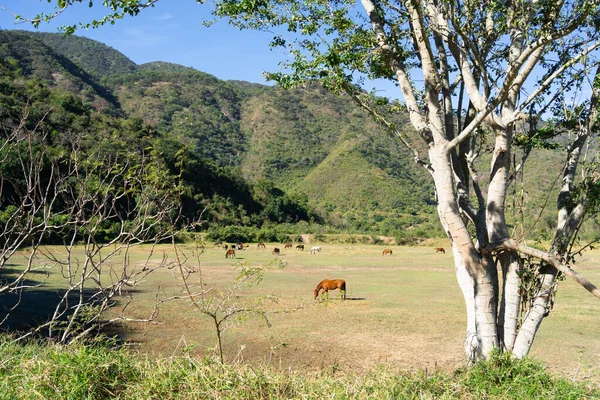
226 246
261 245
287 246
315 250
440 250
275 251
230 253
300 247
218 243
331 284
386 251
239 246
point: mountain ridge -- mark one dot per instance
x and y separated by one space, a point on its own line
258 132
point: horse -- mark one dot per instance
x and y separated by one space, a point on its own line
386 251
239 246
287 246
300 247
230 253
331 284
315 250
218 243
440 250
261 245
225 247
275 251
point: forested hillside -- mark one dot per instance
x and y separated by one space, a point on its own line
249 154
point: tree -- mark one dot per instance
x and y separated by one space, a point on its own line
483 53
96 196
222 305
470 73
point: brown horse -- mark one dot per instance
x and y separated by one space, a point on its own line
300 247
386 251
440 250
287 246
230 253
331 284
275 251
261 245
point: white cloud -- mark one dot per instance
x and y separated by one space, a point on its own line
142 37
164 16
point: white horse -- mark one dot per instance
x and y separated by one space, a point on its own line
315 249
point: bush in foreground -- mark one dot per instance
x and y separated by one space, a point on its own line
40 371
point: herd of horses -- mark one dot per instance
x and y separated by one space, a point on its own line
325 285
227 247
230 249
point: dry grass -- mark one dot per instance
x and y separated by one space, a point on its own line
405 310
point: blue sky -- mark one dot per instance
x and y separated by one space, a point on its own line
172 31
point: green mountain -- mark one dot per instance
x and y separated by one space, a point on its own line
305 153
41 61
95 58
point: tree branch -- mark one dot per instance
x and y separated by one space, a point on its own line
554 75
390 126
399 70
512 244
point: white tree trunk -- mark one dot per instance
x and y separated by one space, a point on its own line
533 318
510 305
569 217
467 287
473 273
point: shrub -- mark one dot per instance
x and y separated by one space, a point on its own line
406 238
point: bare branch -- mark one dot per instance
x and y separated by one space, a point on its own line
548 81
400 71
511 244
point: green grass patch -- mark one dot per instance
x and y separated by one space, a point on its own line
80 371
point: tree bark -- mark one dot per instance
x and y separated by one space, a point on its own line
534 316
569 217
510 305
476 275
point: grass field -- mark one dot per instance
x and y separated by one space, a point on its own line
406 310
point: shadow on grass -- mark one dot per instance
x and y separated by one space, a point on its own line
337 298
33 307
13 270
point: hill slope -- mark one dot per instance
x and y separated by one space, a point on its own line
94 57
37 59
307 141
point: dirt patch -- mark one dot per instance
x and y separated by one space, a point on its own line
306 238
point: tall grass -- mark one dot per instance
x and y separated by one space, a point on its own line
47 371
